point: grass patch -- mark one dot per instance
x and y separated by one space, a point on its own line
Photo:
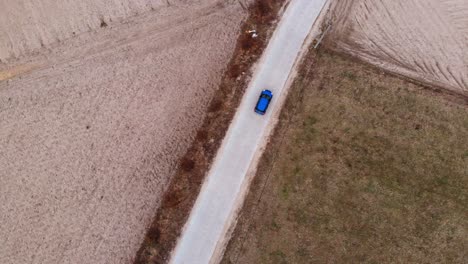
278 256
349 75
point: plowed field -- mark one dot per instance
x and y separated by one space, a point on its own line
93 122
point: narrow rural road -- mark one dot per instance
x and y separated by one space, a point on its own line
206 232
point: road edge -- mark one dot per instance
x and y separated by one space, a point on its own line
229 224
315 32
181 193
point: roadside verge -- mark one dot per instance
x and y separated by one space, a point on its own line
215 211
184 188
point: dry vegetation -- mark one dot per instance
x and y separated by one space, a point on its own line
185 186
363 168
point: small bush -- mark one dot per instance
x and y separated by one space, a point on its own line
103 23
154 234
202 135
215 106
247 42
173 198
187 164
235 71
263 8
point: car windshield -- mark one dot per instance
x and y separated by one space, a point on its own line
265 96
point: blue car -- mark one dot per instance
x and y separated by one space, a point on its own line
263 102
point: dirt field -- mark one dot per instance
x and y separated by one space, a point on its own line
424 40
27 25
92 127
363 168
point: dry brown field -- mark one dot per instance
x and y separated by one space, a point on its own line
364 167
28 25
424 40
98 102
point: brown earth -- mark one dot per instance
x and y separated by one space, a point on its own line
185 186
364 167
92 128
28 25
423 40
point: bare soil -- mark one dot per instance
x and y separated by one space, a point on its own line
364 167
92 128
423 40
185 186
27 25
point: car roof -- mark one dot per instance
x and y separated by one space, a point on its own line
262 104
